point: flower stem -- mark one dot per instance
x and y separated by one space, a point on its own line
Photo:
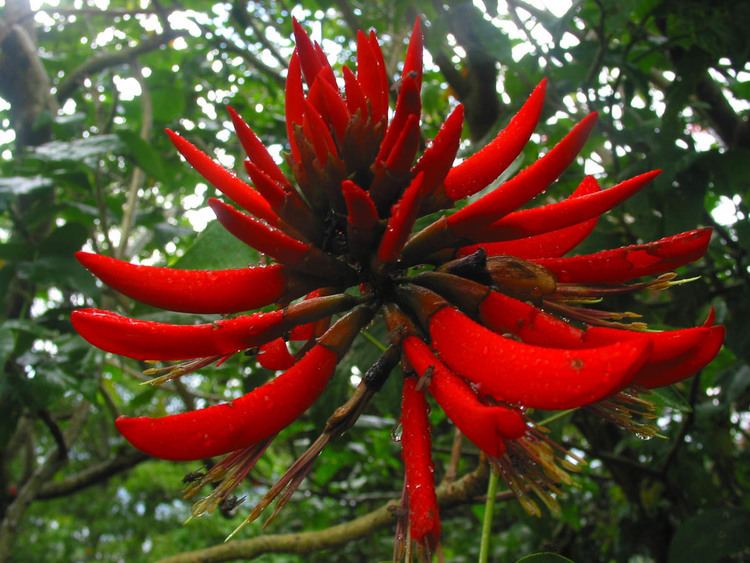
489 506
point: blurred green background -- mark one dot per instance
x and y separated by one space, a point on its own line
86 88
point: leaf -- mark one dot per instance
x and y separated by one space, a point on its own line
143 153
78 149
14 186
711 535
215 248
544 557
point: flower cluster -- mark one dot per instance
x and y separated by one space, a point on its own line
483 311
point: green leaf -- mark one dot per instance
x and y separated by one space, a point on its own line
78 149
712 535
544 557
143 154
215 248
14 186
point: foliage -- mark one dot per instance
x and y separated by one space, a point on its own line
84 164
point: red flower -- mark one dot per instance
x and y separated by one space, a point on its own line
481 306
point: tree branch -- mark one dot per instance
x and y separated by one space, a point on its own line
51 464
449 494
91 475
70 83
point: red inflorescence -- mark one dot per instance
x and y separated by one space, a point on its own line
483 310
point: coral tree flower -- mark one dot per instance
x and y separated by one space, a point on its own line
484 311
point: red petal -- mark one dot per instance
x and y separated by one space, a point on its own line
355 98
259 235
413 61
524 185
565 213
232 426
402 218
294 102
546 378
551 244
149 340
487 426
371 76
255 149
329 104
438 157
629 262
477 171
229 184
275 355
360 207
408 104
316 131
424 517
312 65
191 291
659 374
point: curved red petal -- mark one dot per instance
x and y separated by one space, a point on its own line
548 245
487 426
413 61
402 218
371 75
517 373
438 157
659 374
255 149
294 102
223 180
570 211
191 291
523 186
477 171
259 235
275 355
424 517
628 262
327 100
149 340
226 427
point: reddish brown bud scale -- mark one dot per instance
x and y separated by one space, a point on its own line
528 183
275 355
256 151
629 262
548 245
226 427
194 291
546 218
424 517
477 171
546 378
488 426
223 180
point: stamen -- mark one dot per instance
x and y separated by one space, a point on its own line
229 473
535 463
597 317
175 371
630 412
